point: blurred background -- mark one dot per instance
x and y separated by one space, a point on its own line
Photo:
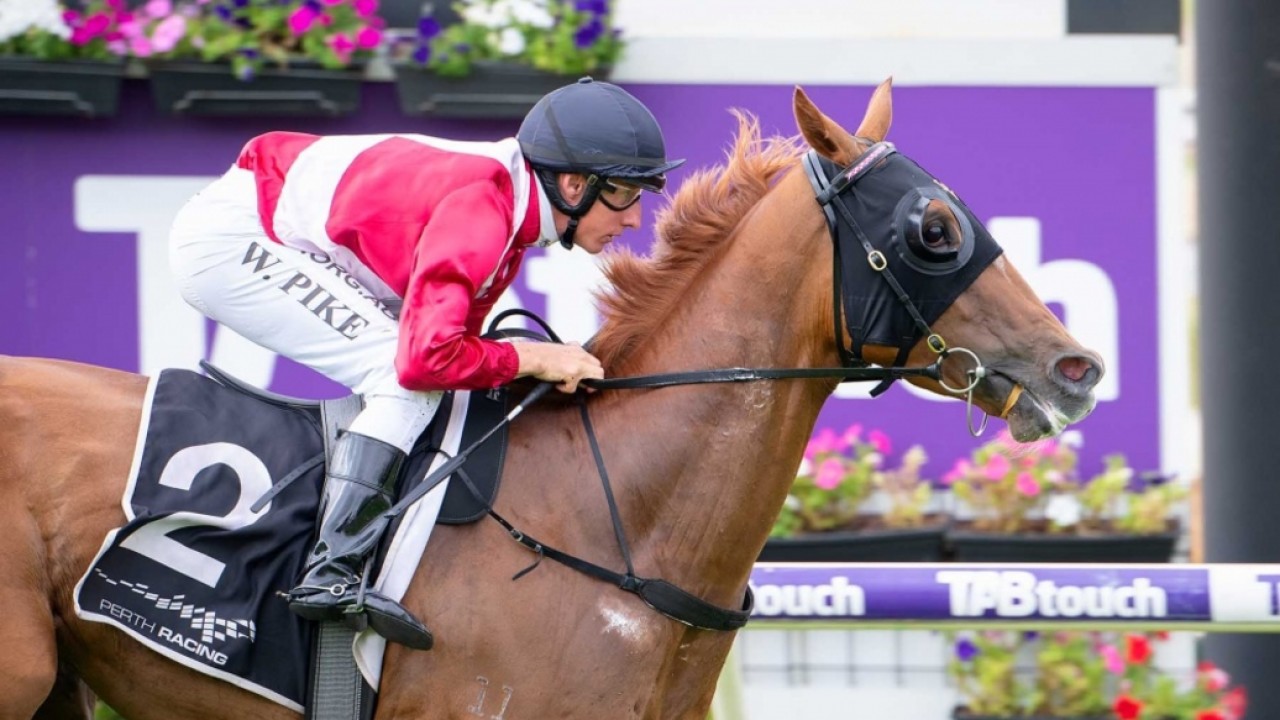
1086 134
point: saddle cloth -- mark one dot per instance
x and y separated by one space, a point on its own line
195 574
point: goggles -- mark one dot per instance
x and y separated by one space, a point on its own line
618 195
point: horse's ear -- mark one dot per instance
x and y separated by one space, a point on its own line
875 124
822 133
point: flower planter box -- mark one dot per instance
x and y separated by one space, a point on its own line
195 88
968 545
492 90
964 714
81 88
869 544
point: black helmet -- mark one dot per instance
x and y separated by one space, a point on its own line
596 128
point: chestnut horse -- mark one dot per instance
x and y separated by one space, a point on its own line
740 276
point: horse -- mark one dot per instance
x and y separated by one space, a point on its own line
741 274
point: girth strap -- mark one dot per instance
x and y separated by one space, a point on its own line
657 594
660 595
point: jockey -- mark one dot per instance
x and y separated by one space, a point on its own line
308 245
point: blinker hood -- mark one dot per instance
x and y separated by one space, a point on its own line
891 286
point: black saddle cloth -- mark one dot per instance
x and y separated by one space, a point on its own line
196 574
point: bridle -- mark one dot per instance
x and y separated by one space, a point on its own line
828 193
659 594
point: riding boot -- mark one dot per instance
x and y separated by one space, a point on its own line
362 476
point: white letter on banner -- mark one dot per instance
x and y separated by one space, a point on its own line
1017 594
1070 600
957 581
171 333
1125 606
1045 590
1155 602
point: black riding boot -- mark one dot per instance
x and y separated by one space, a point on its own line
362 477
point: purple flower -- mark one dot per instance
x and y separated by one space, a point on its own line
428 28
240 3
589 33
1154 478
1030 635
422 54
314 6
249 53
223 12
596 7
245 73
966 650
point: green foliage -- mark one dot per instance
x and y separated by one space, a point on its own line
1074 674
48 30
567 37
1010 487
839 473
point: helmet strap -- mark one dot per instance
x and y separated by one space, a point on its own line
575 212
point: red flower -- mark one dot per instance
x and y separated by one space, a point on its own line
1137 649
1212 714
1127 708
1234 703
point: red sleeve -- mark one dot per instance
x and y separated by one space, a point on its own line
460 247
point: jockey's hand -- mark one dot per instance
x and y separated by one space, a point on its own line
565 365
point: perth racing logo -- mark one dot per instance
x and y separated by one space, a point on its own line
206 627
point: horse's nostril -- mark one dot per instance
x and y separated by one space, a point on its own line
1074 368
1079 371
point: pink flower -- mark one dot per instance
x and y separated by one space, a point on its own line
130 30
1111 659
852 434
830 474
117 47
1028 484
168 33
159 8
117 5
325 19
880 441
1214 678
957 472
342 46
997 467
824 442
365 8
334 2
93 26
302 19
140 46
70 17
368 38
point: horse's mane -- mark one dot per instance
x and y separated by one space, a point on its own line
698 222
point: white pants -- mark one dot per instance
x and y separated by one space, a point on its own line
301 303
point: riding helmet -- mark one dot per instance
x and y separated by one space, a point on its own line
596 128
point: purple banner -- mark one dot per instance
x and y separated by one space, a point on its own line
1065 177
1005 592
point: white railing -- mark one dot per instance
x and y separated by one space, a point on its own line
1206 598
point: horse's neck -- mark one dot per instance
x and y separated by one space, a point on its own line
706 468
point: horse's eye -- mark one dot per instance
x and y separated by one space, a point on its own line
935 234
